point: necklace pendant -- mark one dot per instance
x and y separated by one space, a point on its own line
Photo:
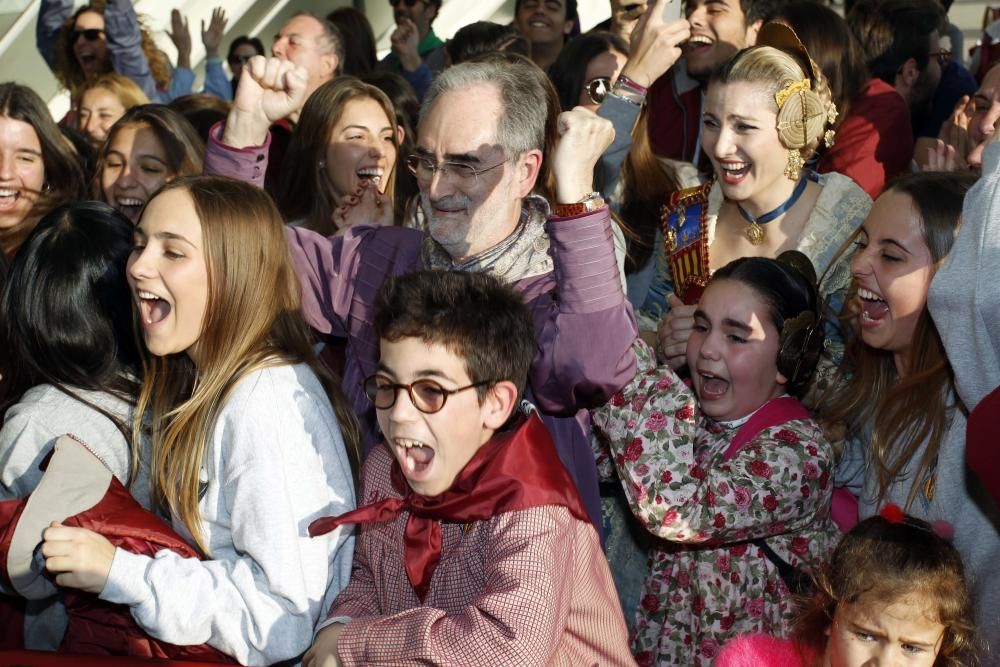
755 234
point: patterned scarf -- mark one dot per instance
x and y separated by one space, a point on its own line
523 254
515 470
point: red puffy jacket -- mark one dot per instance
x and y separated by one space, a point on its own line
78 490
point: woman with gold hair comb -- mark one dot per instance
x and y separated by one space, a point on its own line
767 111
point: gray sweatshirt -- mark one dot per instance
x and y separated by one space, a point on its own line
964 301
275 463
29 432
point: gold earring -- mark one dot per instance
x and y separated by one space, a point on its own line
793 170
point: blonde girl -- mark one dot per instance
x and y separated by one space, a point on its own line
247 444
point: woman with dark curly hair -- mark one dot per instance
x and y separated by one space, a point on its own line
98 38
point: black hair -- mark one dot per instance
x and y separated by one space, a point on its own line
474 315
760 10
788 287
359 40
893 31
569 70
571 11
243 39
66 310
481 37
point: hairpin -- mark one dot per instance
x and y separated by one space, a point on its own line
893 514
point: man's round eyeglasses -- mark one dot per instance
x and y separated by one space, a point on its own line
457 173
426 395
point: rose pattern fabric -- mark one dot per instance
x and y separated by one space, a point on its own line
707 582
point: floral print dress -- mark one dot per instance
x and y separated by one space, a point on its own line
708 581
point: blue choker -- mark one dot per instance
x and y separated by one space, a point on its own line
755 231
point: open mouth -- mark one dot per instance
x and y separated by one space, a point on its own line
712 386
733 173
873 307
697 44
413 455
8 198
373 174
152 309
130 206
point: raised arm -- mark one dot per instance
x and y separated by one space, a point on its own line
585 330
121 29
655 47
51 16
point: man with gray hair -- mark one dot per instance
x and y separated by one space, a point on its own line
479 153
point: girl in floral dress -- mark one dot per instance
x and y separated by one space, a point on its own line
731 473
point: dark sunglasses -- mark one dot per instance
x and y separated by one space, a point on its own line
408 3
598 89
90 34
239 60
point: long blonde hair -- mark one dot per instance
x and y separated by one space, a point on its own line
252 321
913 409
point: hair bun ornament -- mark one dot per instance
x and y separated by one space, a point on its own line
892 513
798 260
799 124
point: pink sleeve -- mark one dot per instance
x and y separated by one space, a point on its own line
245 164
844 509
762 651
585 333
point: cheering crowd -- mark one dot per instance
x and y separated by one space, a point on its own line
673 342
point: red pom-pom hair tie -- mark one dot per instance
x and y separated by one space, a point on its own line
892 513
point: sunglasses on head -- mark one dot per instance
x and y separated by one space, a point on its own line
598 88
408 3
90 34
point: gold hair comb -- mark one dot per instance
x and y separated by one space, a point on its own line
782 95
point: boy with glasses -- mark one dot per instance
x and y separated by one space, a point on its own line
473 544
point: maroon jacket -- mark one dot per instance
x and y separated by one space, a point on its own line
79 491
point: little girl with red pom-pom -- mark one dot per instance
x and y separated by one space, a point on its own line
893 593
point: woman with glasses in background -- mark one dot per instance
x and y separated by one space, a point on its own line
241 50
587 68
77 49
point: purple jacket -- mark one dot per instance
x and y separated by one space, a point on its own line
584 325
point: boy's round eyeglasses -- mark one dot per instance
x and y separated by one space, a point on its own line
426 395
